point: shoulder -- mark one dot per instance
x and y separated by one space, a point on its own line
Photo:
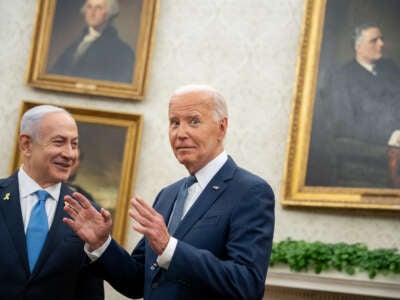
242 179
245 178
13 179
387 64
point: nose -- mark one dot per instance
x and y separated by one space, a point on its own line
181 131
69 151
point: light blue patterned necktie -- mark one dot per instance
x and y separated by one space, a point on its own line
179 204
38 227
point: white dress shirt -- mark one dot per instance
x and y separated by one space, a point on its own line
28 197
369 67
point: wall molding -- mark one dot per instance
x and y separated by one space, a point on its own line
381 286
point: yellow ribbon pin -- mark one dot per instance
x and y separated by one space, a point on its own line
7 197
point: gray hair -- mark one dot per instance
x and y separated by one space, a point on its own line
112 8
30 122
220 107
359 30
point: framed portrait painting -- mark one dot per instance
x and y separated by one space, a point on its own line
344 140
109 145
96 47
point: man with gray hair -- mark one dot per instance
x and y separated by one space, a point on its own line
360 111
207 236
98 53
40 257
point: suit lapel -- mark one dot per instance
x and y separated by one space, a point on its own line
210 194
166 203
10 209
55 234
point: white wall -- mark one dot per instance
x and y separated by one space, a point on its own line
245 48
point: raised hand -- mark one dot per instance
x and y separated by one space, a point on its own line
149 223
91 226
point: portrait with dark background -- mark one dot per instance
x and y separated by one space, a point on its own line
69 23
367 167
102 147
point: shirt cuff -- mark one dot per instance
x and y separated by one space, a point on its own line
95 254
165 258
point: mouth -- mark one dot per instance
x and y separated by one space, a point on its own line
63 165
184 148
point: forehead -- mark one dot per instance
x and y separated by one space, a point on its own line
102 3
190 103
371 32
58 123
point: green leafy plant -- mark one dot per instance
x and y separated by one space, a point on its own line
349 258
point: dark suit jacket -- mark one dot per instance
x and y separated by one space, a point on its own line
107 58
224 244
354 117
61 271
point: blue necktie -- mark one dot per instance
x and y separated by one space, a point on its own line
179 204
38 227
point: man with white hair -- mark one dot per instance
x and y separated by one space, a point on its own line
40 257
98 53
207 236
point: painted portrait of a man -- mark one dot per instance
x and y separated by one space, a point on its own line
357 103
90 41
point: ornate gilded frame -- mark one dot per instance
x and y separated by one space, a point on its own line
38 75
111 143
295 191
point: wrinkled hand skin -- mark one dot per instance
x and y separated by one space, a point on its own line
92 226
149 223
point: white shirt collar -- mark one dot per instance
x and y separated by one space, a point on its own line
205 174
28 186
368 67
93 33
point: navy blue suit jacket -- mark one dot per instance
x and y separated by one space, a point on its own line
61 271
223 250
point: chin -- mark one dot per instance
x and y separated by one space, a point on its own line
61 177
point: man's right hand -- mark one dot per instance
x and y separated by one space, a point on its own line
91 226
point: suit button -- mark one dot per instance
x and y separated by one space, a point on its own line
154 285
153 266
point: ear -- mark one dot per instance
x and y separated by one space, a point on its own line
25 145
223 125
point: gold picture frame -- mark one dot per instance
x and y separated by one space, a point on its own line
323 40
120 70
110 143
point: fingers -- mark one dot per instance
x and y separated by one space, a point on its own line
142 207
106 215
141 212
83 201
71 206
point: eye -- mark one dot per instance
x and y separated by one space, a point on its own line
195 121
58 142
174 123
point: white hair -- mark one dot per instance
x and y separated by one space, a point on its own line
112 8
357 34
220 107
30 122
